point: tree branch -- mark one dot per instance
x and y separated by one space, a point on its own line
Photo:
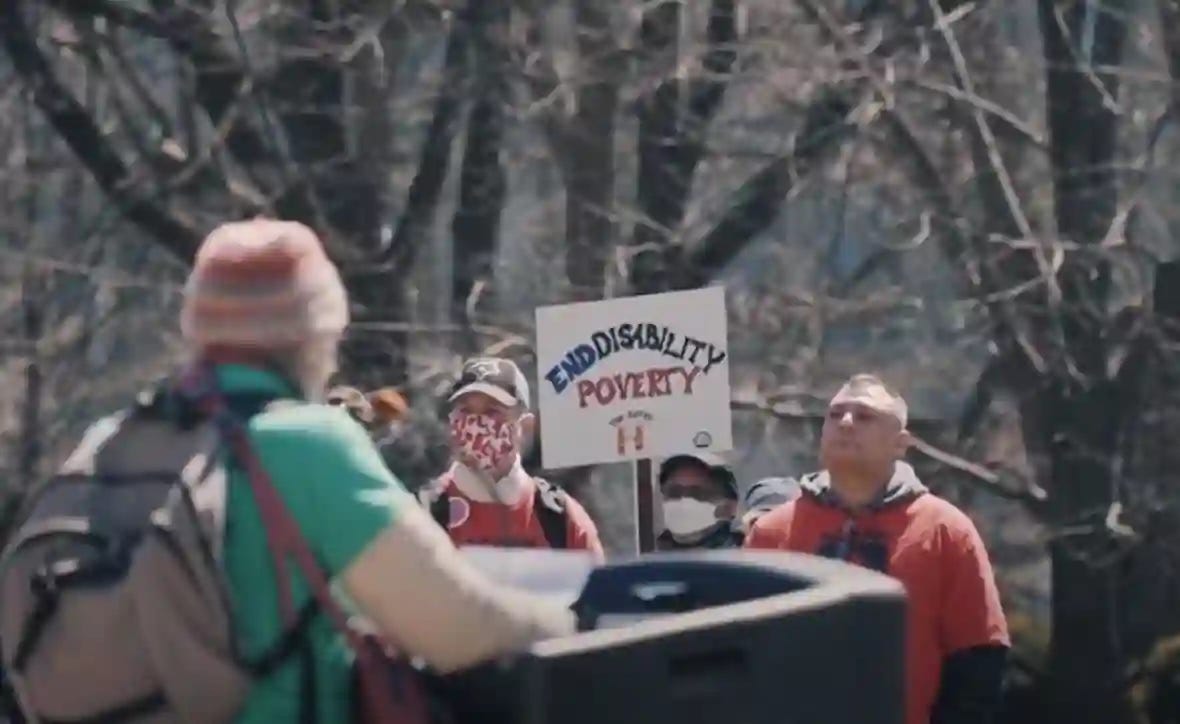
671 143
1028 493
221 82
75 126
756 204
475 227
118 14
660 188
1009 122
433 164
1008 201
964 249
588 152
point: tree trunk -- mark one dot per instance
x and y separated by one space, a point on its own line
1087 655
1170 27
1081 407
380 289
482 185
674 120
590 163
660 189
758 202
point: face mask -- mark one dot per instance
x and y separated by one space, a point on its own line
686 516
485 442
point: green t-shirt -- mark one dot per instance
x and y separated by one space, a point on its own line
339 491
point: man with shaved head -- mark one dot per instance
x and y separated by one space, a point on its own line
868 507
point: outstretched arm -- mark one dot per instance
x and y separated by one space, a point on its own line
417 588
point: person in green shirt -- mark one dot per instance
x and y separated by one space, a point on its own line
266 308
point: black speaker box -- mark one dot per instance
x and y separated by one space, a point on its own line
718 637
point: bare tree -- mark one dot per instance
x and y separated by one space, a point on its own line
694 142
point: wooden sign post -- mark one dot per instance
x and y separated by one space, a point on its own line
644 506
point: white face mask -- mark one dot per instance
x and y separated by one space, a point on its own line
686 516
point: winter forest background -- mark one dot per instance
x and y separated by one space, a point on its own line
979 200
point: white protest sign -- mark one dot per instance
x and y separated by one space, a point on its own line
632 378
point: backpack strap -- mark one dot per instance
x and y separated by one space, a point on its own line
287 544
440 510
164 401
550 503
434 497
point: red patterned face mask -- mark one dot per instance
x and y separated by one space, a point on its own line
486 442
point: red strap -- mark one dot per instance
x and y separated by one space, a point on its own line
284 539
284 536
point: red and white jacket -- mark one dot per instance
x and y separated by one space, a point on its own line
505 513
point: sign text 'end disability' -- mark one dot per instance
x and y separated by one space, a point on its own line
631 336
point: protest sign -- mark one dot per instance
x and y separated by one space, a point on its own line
633 378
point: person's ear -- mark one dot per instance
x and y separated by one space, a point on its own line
528 428
905 441
727 509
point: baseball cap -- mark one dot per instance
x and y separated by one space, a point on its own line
495 377
710 462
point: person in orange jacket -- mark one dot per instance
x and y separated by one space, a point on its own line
869 508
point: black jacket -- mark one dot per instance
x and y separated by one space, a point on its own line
970 688
722 536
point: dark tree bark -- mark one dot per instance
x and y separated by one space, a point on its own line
1081 409
588 152
659 188
1170 27
76 127
378 287
482 183
673 122
758 202
756 205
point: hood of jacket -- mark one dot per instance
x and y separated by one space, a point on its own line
902 487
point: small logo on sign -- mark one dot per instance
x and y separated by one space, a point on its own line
702 439
635 437
631 431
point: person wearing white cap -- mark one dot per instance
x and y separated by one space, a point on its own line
486 497
868 507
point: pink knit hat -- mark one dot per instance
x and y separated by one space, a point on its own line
262 284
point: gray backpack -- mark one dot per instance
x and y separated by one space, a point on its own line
112 601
